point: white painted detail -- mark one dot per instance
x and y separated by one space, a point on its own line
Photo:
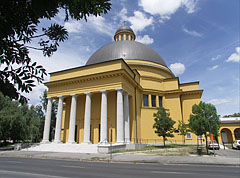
57 137
120 123
47 122
72 122
87 119
103 134
126 118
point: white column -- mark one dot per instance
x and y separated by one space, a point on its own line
103 134
126 118
120 123
47 122
72 122
57 137
87 119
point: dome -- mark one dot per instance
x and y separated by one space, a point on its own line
127 50
124 28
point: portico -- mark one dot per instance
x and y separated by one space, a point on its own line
91 117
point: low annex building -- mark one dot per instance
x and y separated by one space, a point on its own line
113 97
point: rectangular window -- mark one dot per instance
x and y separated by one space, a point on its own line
200 137
160 101
153 97
145 100
188 136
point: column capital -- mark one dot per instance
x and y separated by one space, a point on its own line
88 93
125 94
49 98
61 97
73 94
119 89
104 91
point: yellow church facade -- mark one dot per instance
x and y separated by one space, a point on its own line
113 97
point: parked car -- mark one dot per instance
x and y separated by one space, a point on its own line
236 145
213 145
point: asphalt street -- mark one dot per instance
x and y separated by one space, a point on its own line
49 168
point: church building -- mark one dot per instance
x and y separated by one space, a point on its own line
113 97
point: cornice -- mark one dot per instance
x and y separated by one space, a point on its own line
192 92
86 78
152 78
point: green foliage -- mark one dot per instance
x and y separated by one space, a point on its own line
236 115
163 124
182 128
19 21
19 122
204 119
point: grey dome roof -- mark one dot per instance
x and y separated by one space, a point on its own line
126 50
124 28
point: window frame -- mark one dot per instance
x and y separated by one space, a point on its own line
160 101
188 136
144 99
152 96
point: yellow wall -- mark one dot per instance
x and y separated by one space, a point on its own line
137 80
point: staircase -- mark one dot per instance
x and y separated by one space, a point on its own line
71 148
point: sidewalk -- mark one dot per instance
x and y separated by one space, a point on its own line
127 157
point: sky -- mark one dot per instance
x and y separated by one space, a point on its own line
199 40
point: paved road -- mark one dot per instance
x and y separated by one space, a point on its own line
49 168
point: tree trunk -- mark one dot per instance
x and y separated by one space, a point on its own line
206 143
164 141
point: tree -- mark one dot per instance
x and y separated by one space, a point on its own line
19 28
236 115
182 129
12 121
163 124
19 122
204 120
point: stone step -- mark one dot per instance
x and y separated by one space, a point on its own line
72 148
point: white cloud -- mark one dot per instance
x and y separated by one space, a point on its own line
235 57
98 24
165 8
213 67
139 21
219 101
101 25
145 39
190 5
191 32
123 14
177 68
73 26
216 58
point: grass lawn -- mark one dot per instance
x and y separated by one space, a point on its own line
168 150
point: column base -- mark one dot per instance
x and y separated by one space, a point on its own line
45 142
128 142
86 143
57 142
71 142
120 143
103 143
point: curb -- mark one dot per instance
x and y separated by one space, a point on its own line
107 160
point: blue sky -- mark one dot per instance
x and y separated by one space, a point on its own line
198 39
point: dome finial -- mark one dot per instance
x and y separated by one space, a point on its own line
124 33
